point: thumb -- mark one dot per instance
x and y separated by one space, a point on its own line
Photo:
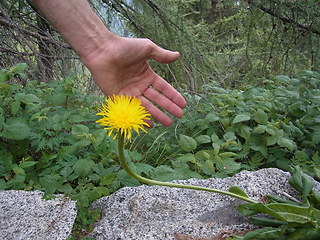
163 56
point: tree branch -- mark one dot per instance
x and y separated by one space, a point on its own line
9 24
285 19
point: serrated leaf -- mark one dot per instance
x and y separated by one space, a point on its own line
108 179
187 143
83 167
241 118
143 168
165 173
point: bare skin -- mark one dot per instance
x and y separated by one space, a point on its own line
118 65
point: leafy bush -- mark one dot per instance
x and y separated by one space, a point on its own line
50 141
227 130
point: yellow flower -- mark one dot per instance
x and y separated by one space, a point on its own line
122 114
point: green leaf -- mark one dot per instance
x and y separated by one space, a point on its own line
51 183
261 117
187 143
238 191
187 158
227 165
291 213
19 67
203 139
108 179
59 98
30 98
267 222
284 142
264 233
18 170
271 140
77 118
241 118
143 168
244 131
79 129
283 79
2 118
15 106
16 130
228 154
301 182
259 129
209 166
211 117
165 173
256 208
270 131
82 143
27 164
6 160
83 167
316 138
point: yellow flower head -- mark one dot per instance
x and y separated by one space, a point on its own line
122 114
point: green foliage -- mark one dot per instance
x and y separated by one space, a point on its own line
50 141
234 43
225 131
288 220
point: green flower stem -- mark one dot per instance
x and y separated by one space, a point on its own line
167 184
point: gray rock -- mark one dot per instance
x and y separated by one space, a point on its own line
26 215
151 213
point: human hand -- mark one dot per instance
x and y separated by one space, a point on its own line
120 67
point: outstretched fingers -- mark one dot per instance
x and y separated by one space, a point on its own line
156 113
164 102
162 94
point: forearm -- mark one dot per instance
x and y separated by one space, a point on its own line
77 23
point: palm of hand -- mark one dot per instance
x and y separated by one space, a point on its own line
122 68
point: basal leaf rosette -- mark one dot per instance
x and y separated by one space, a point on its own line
122 114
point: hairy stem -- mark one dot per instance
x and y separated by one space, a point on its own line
125 166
